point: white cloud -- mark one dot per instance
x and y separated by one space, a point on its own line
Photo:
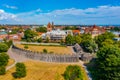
6 16
10 7
39 10
100 15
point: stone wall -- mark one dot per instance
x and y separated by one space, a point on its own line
47 57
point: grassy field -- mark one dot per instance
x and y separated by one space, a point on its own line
11 61
41 71
55 49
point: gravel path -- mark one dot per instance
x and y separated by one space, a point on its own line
16 57
86 70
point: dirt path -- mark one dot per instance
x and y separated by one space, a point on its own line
16 57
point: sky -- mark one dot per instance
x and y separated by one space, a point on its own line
60 12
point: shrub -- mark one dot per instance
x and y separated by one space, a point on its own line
3 47
20 70
26 46
45 51
73 73
2 70
3 59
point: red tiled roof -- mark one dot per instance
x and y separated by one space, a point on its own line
93 28
75 31
40 33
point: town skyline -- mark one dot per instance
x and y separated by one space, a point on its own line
73 12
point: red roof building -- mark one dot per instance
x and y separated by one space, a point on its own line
76 32
94 30
3 36
15 37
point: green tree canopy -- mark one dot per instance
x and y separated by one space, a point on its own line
73 73
88 44
2 70
29 35
69 39
41 29
20 70
77 39
3 59
108 63
101 38
3 47
116 29
107 42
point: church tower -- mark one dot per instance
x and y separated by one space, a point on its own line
53 25
49 27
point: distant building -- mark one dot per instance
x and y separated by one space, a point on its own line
54 35
76 32
15 37
94 30
117 34
3 35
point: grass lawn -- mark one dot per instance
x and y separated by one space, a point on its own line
55 49
37 70
10 62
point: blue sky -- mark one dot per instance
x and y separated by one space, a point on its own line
60 11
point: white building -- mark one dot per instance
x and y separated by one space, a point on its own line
54 35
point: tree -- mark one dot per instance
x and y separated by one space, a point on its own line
117 43
86 37
107 65
9 43
2 70
29 35
88 44
92 47
3 47
101 38
20 70
77 39
73 73
41 29
116 29
107 42
3 59
69 39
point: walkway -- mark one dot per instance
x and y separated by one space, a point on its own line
86 70
16 57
